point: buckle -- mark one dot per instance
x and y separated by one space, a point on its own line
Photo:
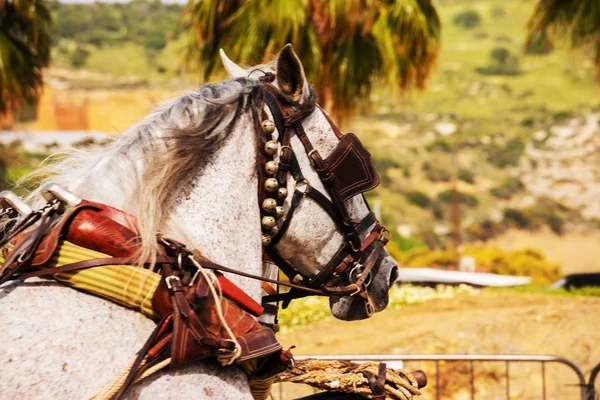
357 289
169 279
303 181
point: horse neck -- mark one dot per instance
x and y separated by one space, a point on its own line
219 213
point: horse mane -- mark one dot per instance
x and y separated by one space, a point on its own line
143 170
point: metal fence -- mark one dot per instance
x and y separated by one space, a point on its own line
586 390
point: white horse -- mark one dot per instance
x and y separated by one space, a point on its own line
187 170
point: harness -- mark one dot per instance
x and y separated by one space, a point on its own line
202 314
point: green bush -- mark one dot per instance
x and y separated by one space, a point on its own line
439 145
502 62
79 57
507 189
507 155
526 262
418 198
436 172
517 218
463 198
466 176
467 19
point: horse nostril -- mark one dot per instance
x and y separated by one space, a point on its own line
394 275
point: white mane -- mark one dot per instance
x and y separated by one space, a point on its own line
139 171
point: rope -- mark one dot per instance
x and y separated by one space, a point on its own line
154 369
108 391
343 376
224 357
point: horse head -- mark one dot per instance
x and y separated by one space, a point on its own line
312 239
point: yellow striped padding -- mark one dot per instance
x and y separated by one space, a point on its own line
127 285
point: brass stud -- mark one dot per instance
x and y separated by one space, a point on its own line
271 167
269 205
271 185
266 240
271 147
268 222
279 212
274 230
282 193
268 126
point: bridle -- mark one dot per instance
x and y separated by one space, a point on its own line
348 171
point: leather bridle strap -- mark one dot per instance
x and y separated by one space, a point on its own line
100 262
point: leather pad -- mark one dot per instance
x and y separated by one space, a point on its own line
351 167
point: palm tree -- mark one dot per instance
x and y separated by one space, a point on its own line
24 51
579 19
345 45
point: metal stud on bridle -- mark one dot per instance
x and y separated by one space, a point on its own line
272 208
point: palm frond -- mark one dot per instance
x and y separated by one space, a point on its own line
344 44
24 51
579 20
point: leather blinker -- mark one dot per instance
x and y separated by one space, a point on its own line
350 166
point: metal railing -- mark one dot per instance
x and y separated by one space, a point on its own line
591 388
587 390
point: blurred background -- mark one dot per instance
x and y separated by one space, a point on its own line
482 117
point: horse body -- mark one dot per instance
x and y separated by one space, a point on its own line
63 344
201 190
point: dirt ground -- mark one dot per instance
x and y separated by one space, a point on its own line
504 323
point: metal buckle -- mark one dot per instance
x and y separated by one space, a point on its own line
312 162
354 249
356 273
357 289
303 181
386 233
170 278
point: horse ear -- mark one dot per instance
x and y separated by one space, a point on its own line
234 70
290 75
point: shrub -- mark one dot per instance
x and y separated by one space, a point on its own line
437 211
525 262
418 198
502 62
463 198
439 145
79 57
466 176
517 218
507 189
507 155
467 19
436 172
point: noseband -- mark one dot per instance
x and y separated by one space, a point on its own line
348 171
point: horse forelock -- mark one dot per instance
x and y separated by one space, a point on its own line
142 171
